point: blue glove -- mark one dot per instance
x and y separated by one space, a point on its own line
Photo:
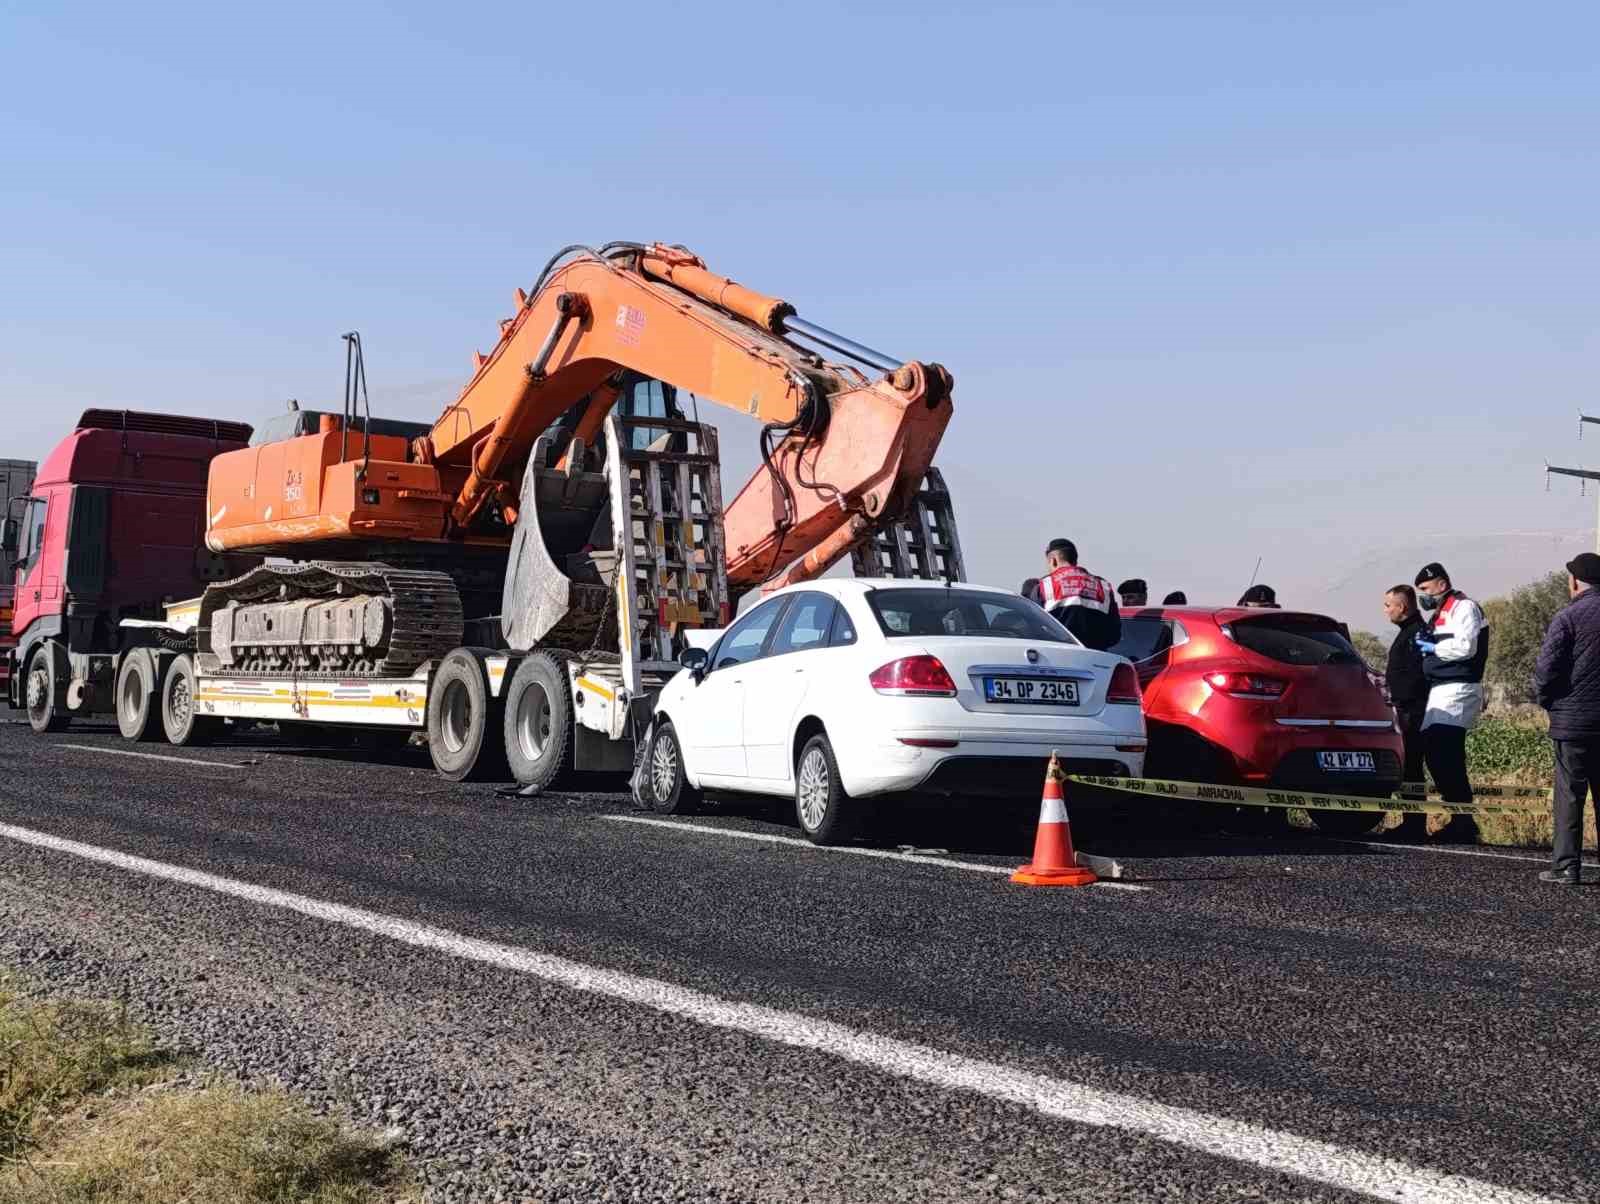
1426 647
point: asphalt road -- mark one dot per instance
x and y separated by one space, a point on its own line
547 1002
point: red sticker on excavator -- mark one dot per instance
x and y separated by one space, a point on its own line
630 325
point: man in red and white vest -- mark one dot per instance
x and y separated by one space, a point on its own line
1083 603
1455 650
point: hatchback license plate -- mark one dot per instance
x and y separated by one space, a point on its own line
1347 762
1035 690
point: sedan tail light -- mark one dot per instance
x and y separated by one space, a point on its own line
917 676
1246 685
1124 685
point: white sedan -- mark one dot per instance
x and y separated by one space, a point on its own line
839 690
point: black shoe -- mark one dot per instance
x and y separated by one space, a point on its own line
1462 829
1564 877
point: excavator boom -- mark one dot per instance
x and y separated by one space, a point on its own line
842 451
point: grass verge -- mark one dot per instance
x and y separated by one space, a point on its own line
93 1111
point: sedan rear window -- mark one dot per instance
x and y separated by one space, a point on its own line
1294 640
940 611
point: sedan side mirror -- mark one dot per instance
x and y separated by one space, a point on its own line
695 660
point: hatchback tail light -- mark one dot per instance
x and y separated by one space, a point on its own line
1246 685
917 676
1124 685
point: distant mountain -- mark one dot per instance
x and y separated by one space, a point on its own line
1485 566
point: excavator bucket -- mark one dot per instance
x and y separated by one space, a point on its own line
559 583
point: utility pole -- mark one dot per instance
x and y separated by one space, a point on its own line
1583 474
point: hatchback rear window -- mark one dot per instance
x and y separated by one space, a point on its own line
1143 638
941 611
1294 640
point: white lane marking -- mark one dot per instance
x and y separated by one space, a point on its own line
1217 1136
886 854
127 752
1433 848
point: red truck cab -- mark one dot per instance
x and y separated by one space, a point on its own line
114 527
16 485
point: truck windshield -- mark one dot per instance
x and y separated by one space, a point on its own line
938 610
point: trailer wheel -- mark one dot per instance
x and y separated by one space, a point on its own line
538 721
183 723
40 694
464 737
138 688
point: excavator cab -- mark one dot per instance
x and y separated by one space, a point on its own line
295 422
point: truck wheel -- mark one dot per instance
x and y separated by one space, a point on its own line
1345 823
826 813
180 719
538 721
666 786
464 737
138 687
42 713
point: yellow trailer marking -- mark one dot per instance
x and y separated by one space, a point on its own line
597 688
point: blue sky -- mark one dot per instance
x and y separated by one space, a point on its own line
1215 281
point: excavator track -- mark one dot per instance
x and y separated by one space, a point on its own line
424 615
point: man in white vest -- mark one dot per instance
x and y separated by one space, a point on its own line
1454 643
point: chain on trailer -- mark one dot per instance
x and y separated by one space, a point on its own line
922 543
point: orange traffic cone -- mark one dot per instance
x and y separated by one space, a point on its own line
1054 862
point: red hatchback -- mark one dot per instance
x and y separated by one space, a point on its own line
1263 698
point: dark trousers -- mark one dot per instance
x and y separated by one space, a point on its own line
1413 825
1577 762
1411 730
1444 747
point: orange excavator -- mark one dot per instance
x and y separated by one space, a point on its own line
419 519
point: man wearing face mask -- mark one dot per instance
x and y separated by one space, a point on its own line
1455 650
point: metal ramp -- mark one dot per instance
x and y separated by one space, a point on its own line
670 538
922 543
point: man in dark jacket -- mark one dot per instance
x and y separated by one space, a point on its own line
1408 690
1566 682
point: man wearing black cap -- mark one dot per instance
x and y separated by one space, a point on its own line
1455 650
1134 592
1566 682
1083 603
1260 597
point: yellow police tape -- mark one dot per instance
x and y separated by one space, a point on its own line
1254 796
1411 788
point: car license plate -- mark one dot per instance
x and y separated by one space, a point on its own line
1035 690
1347 762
